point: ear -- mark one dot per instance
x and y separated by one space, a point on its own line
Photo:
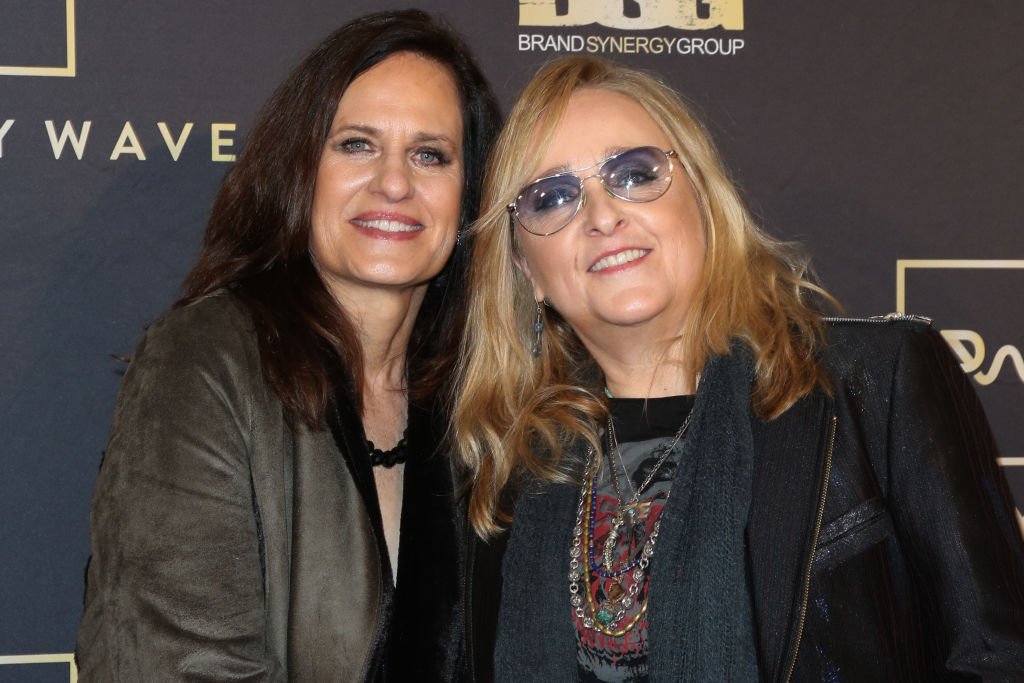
524 268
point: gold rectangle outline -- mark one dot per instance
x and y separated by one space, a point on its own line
903 265
58 658
69 69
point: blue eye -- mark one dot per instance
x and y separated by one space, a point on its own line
633 168
631 177
432 157
640 174
551 193
354 145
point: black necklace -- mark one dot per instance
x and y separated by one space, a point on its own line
388 458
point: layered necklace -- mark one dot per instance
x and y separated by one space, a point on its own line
621 579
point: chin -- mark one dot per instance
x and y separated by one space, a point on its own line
637 311
393 274
657 314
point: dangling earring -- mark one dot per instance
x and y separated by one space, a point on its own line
538 329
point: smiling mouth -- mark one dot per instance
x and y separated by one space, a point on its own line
619 259
384 225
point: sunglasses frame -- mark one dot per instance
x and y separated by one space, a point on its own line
670 154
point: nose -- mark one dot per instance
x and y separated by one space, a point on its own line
392 178
601 212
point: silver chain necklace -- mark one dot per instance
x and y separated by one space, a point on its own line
630 509
606 617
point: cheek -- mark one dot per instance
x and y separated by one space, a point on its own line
687 236
698 249
442 196
549 271
322 210
451 200
335 187
321 241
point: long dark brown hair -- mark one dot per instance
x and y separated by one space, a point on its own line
257 239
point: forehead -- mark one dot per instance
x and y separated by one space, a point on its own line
597 123
404 88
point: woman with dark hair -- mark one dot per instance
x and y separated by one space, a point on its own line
715 481
275 501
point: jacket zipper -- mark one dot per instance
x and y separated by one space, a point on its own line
888 317
814 547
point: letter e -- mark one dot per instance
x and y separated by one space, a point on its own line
217 141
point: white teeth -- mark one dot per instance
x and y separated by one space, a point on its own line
388 226
618 259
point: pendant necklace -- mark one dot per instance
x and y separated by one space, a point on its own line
620 593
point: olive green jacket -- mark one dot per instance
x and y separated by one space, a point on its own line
227 546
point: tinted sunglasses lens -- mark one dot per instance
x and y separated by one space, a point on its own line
549 204
638 175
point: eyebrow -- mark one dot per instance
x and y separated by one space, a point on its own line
565 168
422 136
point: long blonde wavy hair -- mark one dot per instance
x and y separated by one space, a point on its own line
515 414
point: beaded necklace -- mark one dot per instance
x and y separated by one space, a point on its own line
392 456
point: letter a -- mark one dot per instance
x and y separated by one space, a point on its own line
128 143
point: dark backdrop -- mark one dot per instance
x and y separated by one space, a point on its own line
886 136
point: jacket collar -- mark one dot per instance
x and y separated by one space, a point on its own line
426 627
346 427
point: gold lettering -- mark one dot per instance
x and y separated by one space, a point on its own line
217 141
78 140
972 358
646 14
128 143
3 132
174 146
1008 352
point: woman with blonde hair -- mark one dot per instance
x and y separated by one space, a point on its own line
706 478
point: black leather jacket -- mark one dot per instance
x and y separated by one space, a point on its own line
881 543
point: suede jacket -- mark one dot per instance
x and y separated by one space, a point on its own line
227 546
881 543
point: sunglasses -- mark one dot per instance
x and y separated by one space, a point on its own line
548 204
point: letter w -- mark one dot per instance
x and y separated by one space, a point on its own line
78 140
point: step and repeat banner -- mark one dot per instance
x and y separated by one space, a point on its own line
888 137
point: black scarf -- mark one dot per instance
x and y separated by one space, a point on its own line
701 624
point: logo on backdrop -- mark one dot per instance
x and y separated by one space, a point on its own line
976 309
38 39
73 140
969 347
633 14
652 27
